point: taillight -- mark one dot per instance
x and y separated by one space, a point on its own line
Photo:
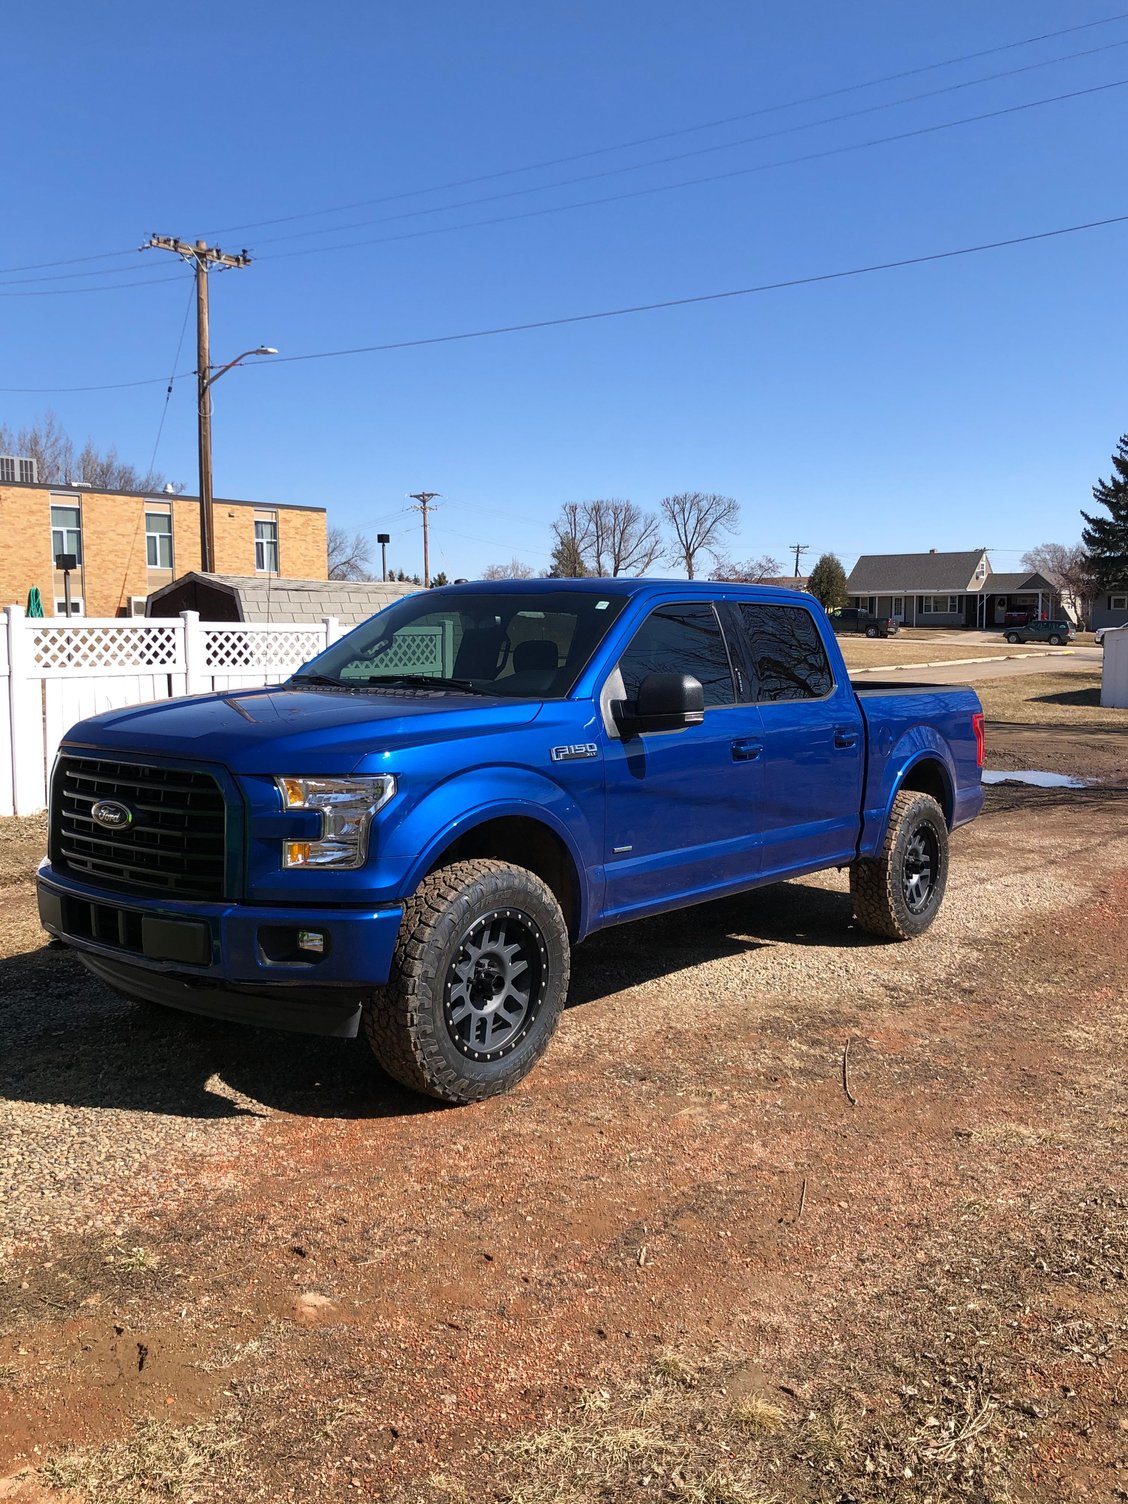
977 727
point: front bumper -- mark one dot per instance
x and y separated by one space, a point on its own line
223 959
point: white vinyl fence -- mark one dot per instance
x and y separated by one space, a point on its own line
57 670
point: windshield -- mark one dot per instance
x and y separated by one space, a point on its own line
527 646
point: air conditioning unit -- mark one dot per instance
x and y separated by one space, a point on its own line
137 605
17 467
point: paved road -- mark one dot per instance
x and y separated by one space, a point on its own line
1066 660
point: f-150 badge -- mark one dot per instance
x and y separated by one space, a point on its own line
575 752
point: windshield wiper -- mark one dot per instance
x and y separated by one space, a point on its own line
316 679
423 681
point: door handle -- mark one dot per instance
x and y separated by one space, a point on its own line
746 749
845 736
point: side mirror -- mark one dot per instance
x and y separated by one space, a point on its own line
666 702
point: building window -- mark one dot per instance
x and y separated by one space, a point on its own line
158 540
939 605
66 532
1118 603
266 547
77 607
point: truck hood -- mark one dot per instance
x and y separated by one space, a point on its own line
301 731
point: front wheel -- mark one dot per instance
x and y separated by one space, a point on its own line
478 979
1013 637
898 894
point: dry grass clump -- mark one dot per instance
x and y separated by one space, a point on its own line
157 1462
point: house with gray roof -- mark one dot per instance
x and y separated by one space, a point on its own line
268 598
946 589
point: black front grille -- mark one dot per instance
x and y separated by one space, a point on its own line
174 843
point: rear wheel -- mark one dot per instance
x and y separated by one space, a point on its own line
478 980
1055 641
871 631
898 894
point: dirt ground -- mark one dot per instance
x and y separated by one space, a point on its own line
786 1213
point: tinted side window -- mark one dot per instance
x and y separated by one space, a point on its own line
786 652
680 640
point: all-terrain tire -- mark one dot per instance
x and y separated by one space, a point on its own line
898 893
417 1025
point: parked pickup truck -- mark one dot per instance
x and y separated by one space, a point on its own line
409 835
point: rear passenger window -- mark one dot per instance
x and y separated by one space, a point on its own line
788 659
680 640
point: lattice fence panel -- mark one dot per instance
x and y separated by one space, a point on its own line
234 649
413 650
107 647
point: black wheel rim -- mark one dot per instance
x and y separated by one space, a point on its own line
495 985
920 869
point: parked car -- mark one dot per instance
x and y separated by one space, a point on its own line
856 619
408 836
1102 632
1056 633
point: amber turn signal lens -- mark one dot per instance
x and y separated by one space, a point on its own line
293 792
297 853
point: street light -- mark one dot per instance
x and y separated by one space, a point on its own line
206 379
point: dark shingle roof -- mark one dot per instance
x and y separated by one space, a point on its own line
898 574
1014 584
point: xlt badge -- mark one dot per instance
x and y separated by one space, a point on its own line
575 752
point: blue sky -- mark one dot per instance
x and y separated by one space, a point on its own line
950 405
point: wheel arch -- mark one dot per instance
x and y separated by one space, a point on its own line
523 838
928 774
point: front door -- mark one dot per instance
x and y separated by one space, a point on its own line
683 806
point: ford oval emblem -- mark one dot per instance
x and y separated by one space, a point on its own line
111 815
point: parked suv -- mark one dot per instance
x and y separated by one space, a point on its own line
1056 633
855 619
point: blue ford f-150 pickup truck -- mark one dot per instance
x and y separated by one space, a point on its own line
408 836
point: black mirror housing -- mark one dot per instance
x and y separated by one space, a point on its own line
666 702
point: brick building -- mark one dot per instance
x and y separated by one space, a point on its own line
129 544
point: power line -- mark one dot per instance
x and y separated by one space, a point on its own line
34 266
70 292
486 177
735 172
172 378
709 297
611 313
787 130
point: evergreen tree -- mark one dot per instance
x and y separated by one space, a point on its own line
1106 538
567 560
439 580
827 582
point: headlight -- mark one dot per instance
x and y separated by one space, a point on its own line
346 807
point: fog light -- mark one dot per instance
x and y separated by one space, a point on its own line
311 940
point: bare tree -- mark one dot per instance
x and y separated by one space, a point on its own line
349 559
1069 569
48 443
514 570
698 518
751 572
621 539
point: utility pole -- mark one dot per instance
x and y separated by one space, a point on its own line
202 257
798 548
424 499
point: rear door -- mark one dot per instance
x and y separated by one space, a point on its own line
814 739
683 806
